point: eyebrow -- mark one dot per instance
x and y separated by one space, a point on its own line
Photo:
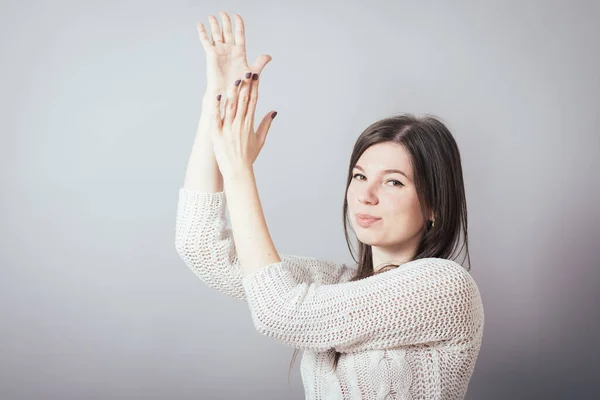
387 171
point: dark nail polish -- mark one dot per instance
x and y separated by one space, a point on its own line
255 77
273 115
218 97
248 75
237 83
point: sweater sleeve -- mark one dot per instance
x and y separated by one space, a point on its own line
205 243
421 302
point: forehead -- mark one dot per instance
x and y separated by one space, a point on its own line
382 156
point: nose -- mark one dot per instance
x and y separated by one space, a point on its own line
367 196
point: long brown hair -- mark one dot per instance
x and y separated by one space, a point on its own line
438 179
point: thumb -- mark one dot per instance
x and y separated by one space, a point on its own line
261 62
264 126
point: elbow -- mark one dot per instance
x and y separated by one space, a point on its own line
181 242
185 248
262 323
267 326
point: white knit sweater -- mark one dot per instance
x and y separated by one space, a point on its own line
413 332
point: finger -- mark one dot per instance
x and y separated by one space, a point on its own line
252 101
263 128
227 33
240 31
243 97
217 36
217 115
247 75
261 62
232 101
204 39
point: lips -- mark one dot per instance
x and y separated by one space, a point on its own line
366 216
366 222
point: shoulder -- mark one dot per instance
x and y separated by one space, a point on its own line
440 264
457 279
444 270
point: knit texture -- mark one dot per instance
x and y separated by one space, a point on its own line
413 332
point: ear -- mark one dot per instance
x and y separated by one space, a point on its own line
430 214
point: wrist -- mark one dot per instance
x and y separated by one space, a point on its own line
239 175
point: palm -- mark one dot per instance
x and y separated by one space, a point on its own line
227 64
226 53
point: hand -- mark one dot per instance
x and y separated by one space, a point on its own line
226 54
235 144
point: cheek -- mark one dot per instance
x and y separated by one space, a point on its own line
350 196
350 191
405 211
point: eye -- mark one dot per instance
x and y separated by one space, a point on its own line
392 180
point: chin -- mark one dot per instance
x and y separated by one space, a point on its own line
369 242
370 238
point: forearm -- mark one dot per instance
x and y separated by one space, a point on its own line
255 248
202 170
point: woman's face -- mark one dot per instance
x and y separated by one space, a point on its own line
390 196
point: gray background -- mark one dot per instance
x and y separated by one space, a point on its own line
100 103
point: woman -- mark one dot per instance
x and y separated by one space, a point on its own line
407 323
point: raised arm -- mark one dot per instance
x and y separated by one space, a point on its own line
205 243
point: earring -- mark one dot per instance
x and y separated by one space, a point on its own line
433 223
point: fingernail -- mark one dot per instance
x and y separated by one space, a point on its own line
218 97
248 75
273 115
255 77
237 83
